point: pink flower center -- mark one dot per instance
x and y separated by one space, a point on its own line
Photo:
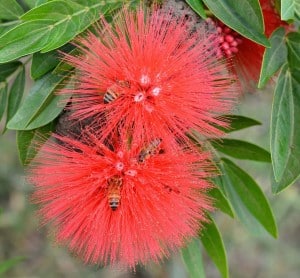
145 80
156 91
119 166
139 97
120 154
131 173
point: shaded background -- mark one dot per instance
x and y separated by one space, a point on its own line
249 255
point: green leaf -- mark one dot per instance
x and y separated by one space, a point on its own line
219 200
297 10
30 3
29 140
198 7
243 16
8 264
3 98
16 94
213 243
287 9
7 69
247 199
6 26
285 132
42 63
50 26
192 258
238 122
241 150
10 10
41 106
24 39
286 181
34 3
293 44
274 57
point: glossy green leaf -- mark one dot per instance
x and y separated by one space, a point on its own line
10 10
3 98
288 179
192 258
293 44
51 25
213 244
297 9
287 9
247 199
8 264
27 141
30 3
198 7
41 106
42 63
34 3
7 69
219 200
16 94
6 26
285 131
24 39
241 150
40 2
243 16
274 57
238 122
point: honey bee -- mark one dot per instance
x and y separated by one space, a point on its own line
110 95
114 185
151 149
113 93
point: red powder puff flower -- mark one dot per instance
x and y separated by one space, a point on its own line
152 76
125 206
247 55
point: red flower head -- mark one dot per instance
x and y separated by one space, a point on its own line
120 205
247 55
153 76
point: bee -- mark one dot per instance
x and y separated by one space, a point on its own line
114 185
113 93
110 95
151 149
